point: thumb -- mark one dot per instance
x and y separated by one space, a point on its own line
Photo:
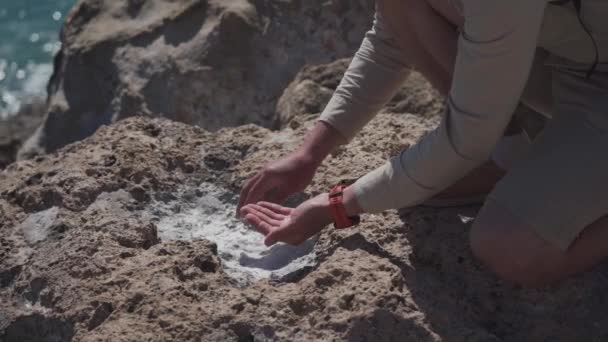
271 239
256 191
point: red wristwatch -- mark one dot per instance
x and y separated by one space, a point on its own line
341 219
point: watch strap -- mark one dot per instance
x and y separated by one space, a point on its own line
336 204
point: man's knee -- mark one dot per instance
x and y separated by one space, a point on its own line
500 244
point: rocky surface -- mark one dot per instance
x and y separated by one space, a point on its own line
15 130
187 60
81 258
99 240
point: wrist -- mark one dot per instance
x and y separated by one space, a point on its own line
309 158
320 142
322 202
350 202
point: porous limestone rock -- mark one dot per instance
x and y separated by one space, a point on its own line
100 272
212 63
83 256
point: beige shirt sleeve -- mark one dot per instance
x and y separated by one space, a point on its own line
372 78
495 54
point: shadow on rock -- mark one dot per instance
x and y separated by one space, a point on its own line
385 326
38 328
278 256
463 300
354 242
15 130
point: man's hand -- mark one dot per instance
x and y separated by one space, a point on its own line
279 180
292 226
293 173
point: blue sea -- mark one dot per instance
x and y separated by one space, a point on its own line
29 38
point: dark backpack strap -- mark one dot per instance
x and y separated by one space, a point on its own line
596 61
577 5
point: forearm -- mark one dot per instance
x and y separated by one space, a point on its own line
374 75
491 71
320 141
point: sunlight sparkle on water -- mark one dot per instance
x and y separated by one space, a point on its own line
29 38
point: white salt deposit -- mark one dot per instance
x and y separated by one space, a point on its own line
210 216
37 227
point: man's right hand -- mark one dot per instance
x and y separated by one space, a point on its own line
278 180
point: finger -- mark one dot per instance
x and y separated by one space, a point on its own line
246 210
260 225
271 239
269 212
281 236
245 192
276 208
272 222
278 235
256 191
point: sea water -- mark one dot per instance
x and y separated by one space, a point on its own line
29 38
